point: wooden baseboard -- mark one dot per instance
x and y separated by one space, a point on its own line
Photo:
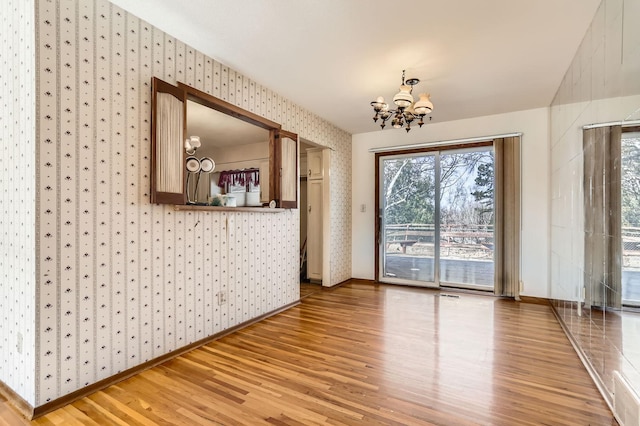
362 281
347 281
534 300
330 287
16 401
81 393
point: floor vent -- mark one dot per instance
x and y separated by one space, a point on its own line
626 404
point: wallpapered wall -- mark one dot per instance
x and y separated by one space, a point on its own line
122 281
17 196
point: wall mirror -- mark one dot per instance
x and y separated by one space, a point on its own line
206 151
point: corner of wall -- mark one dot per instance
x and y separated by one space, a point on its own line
17 199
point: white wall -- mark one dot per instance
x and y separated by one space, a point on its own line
534 124
17 197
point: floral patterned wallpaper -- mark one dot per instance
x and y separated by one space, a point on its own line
122 281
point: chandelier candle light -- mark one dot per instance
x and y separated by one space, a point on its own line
407 110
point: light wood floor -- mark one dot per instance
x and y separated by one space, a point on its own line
307 289
369 355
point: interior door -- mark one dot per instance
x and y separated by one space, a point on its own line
314 229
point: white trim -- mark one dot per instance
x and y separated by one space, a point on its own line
442 143
612 123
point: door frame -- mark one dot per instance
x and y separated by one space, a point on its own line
326 206
378 207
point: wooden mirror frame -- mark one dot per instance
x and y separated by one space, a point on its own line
283 145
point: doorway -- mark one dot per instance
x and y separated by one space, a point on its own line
437 215
314 217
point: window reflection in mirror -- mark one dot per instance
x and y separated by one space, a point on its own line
240 152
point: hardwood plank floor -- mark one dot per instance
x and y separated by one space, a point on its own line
308 288
364 354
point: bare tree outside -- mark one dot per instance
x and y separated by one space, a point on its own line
409 188
630 210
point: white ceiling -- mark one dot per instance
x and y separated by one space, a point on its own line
335 56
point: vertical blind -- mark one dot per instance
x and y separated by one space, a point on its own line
507 216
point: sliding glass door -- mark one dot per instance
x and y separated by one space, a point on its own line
437 218
630 206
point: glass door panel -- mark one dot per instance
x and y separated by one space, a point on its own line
466 218
407 220
630 206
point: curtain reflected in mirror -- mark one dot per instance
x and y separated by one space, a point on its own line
602 236
612 217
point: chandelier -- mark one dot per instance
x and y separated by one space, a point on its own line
407 110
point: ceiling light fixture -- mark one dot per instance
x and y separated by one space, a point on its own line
407 110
